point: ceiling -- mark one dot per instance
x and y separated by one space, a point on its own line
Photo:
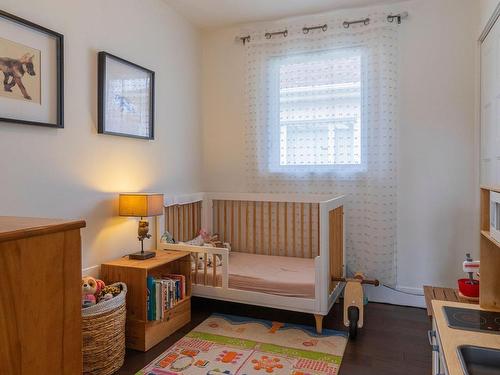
219 13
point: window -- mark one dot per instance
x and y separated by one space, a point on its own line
316 109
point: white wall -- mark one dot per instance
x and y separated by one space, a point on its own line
437 171
438 165
486 10
76 173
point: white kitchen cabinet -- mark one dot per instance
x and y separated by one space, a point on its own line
438 361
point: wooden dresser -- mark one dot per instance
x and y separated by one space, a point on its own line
40 296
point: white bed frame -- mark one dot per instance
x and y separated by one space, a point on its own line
326 292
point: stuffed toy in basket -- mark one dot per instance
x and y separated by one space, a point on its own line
103 327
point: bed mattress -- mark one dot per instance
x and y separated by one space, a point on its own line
283 276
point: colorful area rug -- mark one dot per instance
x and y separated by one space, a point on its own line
232 345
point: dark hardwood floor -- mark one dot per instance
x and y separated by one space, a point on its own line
392 342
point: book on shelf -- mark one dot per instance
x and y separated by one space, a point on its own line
163 294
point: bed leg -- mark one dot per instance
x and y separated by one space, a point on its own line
319 323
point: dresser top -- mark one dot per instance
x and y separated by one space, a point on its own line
14 227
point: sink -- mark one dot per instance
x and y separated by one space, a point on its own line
479 361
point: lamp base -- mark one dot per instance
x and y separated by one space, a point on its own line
142 255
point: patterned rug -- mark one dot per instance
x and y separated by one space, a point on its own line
232 345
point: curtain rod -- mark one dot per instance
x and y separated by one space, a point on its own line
270 35
306 29
365 21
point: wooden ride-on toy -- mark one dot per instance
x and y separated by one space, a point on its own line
354 301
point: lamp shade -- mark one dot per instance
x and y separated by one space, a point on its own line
141 204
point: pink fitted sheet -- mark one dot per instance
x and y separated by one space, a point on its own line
283 276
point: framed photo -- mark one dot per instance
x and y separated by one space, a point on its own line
31 67
125 98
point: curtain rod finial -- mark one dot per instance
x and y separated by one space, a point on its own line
398 17
242 39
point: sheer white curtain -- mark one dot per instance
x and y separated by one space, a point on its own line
321 118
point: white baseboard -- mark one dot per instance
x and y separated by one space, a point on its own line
93 271
403 296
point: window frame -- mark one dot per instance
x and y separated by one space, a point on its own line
273 122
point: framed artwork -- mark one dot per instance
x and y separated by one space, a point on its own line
31 63
125 98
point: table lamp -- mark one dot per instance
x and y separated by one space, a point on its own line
141 205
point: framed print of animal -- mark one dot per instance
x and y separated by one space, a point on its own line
125 98
31 69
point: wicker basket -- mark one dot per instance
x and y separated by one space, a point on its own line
103 327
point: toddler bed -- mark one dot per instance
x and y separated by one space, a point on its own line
285 249
282 276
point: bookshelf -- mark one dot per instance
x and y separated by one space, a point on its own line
489 295
142 334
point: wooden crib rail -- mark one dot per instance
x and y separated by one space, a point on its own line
267 227
208 253
183 221
263 224
336 245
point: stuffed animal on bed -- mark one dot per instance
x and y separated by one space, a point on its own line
205 239
167 237
197 241
218 261
198 259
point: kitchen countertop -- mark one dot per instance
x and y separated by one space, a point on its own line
452 338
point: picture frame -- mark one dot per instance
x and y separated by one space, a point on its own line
126 98
32 63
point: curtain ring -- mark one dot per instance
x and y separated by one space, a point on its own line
346 25
366 21
305 30
325 27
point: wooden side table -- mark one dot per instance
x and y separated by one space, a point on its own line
142 334
442 294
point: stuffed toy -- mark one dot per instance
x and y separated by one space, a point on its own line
216 242
197 260
91 288
218 261
205 239
201 239
109 291
167 237
197 241
205 235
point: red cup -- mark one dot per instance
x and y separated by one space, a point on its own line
469 289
